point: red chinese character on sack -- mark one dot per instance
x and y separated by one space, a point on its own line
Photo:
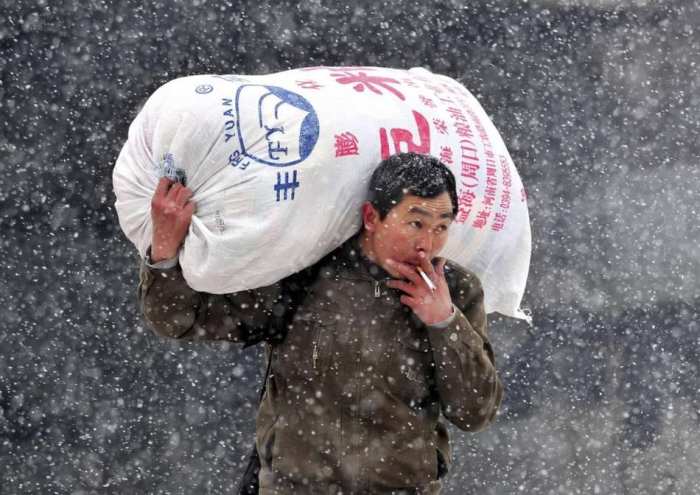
446 155
466 201
435 89
498 222
405 137
308 84
427 101
463 130
410 82
361 81
440 125
489 196
481 218
346 144
457 114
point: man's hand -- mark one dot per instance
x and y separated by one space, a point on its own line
430 306
171 214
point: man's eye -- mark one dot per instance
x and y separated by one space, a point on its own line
416 224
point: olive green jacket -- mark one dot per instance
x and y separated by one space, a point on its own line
357 383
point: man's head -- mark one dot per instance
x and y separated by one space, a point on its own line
412 202
410 173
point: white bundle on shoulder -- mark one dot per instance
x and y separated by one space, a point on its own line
279 166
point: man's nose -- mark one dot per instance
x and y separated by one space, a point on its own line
425 242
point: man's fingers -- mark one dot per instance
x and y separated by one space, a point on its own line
183 196
406 270
163 186
440 268
409 301
174 191
402 285
189 209
428 268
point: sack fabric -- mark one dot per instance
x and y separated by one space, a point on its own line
279 166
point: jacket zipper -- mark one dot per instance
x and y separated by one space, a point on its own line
316 347
314 354
377 289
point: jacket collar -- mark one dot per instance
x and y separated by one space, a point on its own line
353 256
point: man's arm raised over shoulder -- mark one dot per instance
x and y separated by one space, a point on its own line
173 309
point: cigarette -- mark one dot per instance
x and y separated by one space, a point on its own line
427 280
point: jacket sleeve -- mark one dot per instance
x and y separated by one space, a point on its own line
465 375
173 309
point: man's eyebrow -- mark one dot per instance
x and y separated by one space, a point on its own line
426 213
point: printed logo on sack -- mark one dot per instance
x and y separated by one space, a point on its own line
275 126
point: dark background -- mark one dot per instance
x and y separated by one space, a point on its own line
598 103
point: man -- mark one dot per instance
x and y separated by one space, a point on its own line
365 350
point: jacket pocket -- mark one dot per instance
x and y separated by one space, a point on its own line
322 348
311 342
413 361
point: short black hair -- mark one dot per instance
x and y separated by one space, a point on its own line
410 173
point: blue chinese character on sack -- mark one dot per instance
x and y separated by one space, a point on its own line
275 126
235 159
285 189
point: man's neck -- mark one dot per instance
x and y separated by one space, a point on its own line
366 246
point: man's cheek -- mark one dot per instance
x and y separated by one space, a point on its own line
400 243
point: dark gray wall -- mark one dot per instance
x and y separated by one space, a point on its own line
599 109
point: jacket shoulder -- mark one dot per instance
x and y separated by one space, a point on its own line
465 287
460 277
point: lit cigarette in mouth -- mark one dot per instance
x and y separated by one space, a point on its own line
427 280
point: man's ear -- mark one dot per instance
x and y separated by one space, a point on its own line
370 217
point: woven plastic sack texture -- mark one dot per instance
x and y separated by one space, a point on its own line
279 166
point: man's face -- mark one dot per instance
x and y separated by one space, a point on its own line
414 229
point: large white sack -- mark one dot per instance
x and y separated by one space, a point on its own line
279 166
